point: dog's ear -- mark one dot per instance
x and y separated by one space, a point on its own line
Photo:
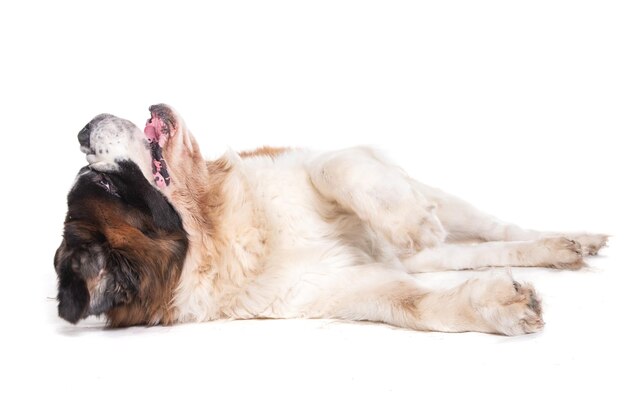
73 296
92 280
77 270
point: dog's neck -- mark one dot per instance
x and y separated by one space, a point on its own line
198 190
226 231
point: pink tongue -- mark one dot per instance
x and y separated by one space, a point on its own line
150 133
153 129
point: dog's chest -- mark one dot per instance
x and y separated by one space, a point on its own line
296 214
291 205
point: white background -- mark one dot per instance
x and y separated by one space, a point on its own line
516 106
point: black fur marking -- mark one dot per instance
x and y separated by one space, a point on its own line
158 162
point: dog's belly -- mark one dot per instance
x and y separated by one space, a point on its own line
294 210
298 217
310 241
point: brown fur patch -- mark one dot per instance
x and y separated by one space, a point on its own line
159 270
406 299
266 151
155 255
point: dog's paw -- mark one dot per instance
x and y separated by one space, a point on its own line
560 253
591 243
411 231
508 307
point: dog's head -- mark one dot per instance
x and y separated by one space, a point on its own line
123 248
107 140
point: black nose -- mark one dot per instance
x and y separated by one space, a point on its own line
84 134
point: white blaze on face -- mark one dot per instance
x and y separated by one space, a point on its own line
113 139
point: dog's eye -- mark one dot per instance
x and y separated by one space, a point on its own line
105 184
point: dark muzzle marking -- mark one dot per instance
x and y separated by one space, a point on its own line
159 167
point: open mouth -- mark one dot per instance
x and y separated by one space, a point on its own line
156 133
107 139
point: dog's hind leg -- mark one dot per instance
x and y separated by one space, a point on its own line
380 194
463 222
560 252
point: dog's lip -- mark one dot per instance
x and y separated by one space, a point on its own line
153 133
153 130
150 131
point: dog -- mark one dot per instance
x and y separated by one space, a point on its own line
123 249
293 233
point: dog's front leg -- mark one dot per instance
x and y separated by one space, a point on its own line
372 293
